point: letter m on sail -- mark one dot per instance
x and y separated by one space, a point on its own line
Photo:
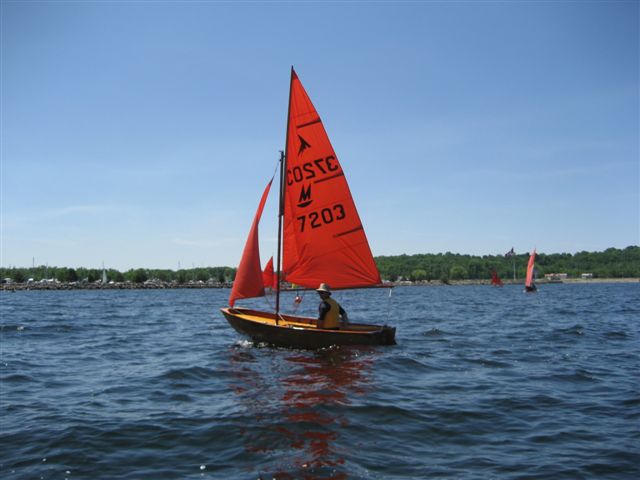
305 196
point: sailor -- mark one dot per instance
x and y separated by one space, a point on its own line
330 313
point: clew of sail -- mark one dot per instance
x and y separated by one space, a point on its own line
249 280
323 237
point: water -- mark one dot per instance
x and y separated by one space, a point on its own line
484 383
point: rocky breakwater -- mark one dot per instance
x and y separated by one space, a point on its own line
149 284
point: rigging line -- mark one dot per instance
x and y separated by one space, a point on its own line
266 299
275 169
279 315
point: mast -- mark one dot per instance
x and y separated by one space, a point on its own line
283 164
280 214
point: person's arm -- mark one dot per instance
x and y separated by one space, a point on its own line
345 317
322 312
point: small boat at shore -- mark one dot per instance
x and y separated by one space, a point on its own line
320 239
496 281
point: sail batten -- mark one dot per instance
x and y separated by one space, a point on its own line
337 175
312 122
353 230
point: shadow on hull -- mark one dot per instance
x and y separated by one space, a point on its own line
301 332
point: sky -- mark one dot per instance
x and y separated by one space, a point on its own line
141 134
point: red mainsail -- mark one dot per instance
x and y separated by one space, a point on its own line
248 282
323 239
530 265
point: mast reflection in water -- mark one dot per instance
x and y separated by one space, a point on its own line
291 404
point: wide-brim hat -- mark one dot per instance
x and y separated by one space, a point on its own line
324 288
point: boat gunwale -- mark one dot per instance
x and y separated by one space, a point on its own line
367 328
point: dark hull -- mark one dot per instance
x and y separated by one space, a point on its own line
291 332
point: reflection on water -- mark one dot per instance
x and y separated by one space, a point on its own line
292 403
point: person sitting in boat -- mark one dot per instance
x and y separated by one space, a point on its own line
330 313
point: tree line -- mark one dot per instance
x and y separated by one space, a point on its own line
611 263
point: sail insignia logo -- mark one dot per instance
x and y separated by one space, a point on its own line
303 145
305 196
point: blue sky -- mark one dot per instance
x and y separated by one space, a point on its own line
141 134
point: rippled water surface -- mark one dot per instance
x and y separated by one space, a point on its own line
484 383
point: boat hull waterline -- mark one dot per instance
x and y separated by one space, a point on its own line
302 332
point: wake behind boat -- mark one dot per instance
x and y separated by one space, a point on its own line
320 239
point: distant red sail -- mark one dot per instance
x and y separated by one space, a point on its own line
530 265
495 279
248 282
324 240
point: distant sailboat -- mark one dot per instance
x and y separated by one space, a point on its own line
104 275
320 236
496 281
529 285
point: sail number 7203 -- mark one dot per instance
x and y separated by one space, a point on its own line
322 217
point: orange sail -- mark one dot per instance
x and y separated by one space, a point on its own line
529 279
248 282
323 238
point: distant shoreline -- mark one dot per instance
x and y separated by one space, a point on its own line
543 281
37 286
155 285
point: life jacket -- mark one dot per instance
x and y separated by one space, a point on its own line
332 317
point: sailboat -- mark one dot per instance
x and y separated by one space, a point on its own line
320 239
529 285
496 281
